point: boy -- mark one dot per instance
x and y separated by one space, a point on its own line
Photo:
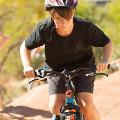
68 44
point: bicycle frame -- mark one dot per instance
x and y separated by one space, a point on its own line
71 109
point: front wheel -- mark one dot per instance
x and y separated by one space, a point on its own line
62 118
79 116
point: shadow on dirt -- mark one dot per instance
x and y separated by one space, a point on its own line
24 111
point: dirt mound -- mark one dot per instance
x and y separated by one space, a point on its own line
33 105
107 95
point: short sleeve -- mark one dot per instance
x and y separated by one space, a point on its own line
96 37
36 38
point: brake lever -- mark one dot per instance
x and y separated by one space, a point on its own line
101 74
32 80
95 74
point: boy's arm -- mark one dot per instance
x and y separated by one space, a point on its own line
107 54
26 61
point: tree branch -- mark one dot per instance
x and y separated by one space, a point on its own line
8 52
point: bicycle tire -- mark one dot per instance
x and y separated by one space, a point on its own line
77 117
80 117
62 118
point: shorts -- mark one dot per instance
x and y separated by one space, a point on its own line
82 83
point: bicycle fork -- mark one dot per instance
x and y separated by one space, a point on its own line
70 111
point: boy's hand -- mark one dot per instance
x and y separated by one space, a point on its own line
29 71
102 66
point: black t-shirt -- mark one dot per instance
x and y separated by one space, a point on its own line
68 52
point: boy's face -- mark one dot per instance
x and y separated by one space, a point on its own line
61 23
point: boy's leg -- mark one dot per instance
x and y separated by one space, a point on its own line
56 101
84 87
56 86
87 106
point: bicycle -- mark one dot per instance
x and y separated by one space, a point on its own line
71 109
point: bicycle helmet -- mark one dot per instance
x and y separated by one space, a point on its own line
60 3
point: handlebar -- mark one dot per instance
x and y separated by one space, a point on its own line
41 74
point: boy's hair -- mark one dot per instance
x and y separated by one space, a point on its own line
65 13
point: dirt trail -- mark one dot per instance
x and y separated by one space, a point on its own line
33 105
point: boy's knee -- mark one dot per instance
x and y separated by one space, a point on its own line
55 109
88 108
55 103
